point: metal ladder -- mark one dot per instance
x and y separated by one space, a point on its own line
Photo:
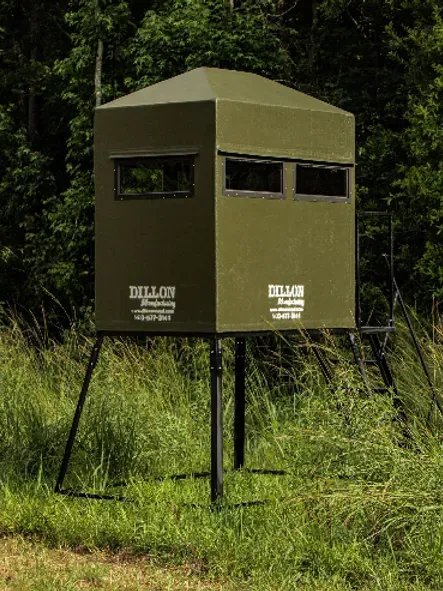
379 360
375 339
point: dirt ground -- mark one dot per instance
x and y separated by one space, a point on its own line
28 565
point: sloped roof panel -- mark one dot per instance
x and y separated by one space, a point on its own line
210 84
245 87
190 87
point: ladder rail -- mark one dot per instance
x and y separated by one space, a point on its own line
379 346
435 400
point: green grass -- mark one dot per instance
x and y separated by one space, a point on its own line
361 505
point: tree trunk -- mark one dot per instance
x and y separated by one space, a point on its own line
33 106
312 49
98 74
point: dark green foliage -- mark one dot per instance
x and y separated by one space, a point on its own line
25 179
69 230
418 187
186 35
378 59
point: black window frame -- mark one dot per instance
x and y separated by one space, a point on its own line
119 161
254 194
328 198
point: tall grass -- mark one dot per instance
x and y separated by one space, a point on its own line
361 505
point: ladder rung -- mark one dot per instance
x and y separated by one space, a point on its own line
376 329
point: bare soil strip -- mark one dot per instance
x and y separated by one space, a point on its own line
26 565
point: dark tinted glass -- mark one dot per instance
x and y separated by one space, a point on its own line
152 176
322 181
254 176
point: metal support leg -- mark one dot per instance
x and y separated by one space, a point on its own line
321 358
239 405
216 422
357 358
379 353
81 401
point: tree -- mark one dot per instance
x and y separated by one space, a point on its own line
31 137
188 34
93 71
24 178
59 59
381 60
417 192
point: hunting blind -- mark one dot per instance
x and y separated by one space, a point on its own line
225 205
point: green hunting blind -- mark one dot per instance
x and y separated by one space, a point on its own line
225 205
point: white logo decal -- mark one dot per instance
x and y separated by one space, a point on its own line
288 301
156 303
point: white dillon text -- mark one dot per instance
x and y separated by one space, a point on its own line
156 303
288 301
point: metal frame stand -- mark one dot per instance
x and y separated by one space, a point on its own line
419 352
357 357
239 403
320 357
216 372
378 336
78 411
378 346
216 421
216 473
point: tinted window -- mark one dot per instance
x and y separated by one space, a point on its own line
253 176
150 177
322 181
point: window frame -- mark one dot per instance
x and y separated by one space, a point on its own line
254 194
326 198
119 161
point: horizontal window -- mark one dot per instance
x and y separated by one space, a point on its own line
151 177
322 182
253 178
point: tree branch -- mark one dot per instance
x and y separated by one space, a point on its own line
98 74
